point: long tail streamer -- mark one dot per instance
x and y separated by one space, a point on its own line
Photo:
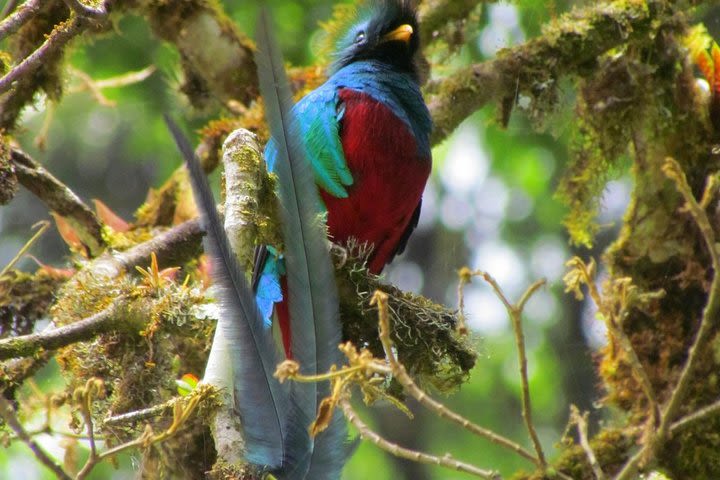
314 317
263 403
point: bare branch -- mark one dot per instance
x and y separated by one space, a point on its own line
445 461
7 412
138 415
515 313
42 228
702 414
59 198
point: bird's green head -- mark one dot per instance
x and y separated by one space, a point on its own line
383 30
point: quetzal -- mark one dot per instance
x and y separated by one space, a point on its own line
366 133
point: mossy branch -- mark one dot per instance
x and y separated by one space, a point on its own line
712 309
85 329
569 46
674 172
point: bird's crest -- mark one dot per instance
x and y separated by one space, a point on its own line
348 20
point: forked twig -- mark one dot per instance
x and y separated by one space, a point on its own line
581 422
515 313
400 373
42 228
182 410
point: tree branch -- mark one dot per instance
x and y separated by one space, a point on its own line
567 48
13 23
434 14
674 172
28 345
515 313
445 461
59 198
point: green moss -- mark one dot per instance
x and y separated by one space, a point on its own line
423 332
611 450
160 336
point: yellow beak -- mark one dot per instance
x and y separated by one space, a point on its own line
402 33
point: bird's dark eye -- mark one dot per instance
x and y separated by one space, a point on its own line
360 37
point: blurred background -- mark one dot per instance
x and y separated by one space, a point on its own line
489 205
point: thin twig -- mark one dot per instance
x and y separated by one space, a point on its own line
581 422
182 410
400 373
138 415
43 226
13 23
61 34
445 461
9 415
515 313
96 86
702 414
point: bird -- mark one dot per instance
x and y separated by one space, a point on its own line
366 132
